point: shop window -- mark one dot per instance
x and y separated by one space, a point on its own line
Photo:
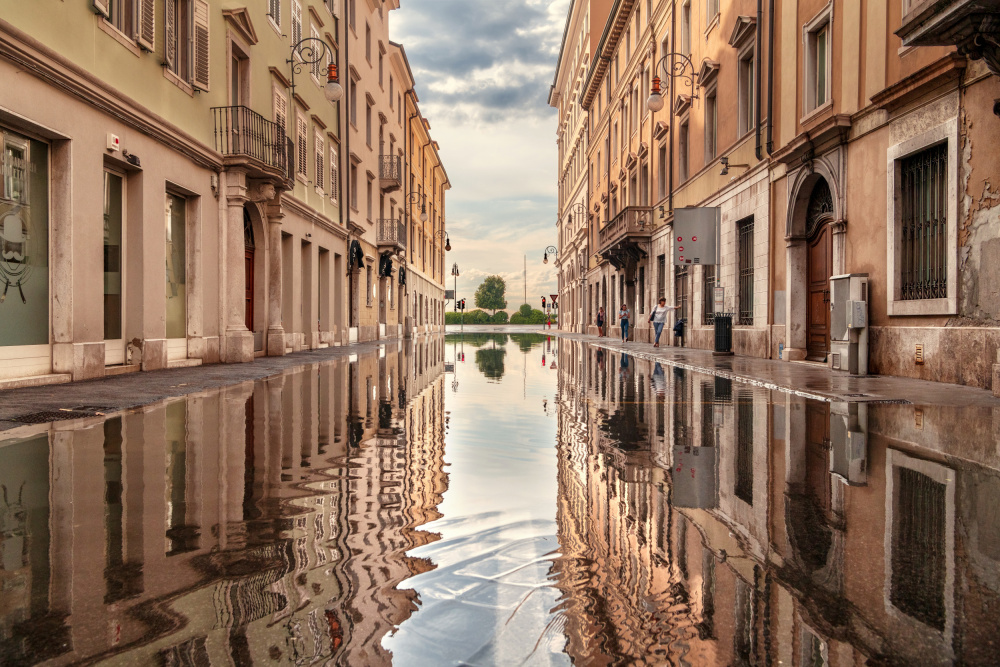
24 240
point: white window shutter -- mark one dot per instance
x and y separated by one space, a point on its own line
296 22
334 7
102 7
334 176
169 33
145 32
320 180
303 149
280 111
274 11
201 46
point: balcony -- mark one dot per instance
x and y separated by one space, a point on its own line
390 172
970 25
391 234
247 139
624 240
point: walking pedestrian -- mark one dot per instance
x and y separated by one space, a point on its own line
623 316
600 322
659 319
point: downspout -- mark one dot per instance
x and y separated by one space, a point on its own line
756 79
770 75
670 103
345 122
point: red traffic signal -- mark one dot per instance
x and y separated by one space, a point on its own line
543 302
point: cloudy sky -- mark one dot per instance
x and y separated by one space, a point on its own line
483 70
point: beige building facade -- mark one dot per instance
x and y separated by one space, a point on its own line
186 134
849 153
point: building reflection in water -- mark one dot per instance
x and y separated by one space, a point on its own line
707 522
263 522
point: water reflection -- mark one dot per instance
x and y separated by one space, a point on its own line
708 522
265 522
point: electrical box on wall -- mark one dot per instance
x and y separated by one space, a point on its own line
849 323
113 142
696 233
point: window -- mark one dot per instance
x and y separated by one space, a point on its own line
120 14
334 175
924 224
686 27
302 147
274 12
380 59
368 44
320 147
352 12
354 186
24 239
817 65
318 69
642 290
614 138
661 277
176 285
708 293
370 290
368 123
711 11
744 447
296 22
186 35
661 173
746 92
682 151
369 198
744 232
711 125
354 103
280 109
392 93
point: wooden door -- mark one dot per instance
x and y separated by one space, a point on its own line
819 264
248 254
818 480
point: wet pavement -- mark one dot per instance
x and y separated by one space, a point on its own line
496 499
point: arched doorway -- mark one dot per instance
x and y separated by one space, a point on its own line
819 268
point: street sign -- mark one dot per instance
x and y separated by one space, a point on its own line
720 300
696 234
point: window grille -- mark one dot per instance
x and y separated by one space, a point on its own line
682 287
744 230
924 262
708 291
918 584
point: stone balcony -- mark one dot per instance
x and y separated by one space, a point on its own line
625 238
391 235
390 172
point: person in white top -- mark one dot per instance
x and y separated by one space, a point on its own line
659 318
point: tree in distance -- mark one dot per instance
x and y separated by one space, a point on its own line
490 294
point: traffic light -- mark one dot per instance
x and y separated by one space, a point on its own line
543 302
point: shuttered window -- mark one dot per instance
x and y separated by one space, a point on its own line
274 11
201 50
170 34
334 175
296 23
303 149
320 147
146 30
318 67
281 111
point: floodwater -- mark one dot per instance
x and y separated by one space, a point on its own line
502 499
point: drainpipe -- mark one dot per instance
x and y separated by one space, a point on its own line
670 102
770 75
756 79
345 121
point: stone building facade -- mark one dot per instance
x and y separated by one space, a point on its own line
176 133
851 152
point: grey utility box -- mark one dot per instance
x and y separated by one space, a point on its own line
849 323
849 442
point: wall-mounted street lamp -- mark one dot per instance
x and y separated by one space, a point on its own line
310 51
577 208
726 166
415 197
674 70
447 241
551 249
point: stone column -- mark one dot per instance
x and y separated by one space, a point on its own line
237 343
796 297
275 331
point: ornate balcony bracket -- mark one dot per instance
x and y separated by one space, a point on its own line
624 241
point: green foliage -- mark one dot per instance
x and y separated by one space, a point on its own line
524 310
490 362
490 294
500 317
533 316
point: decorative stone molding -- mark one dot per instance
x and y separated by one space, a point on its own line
260 191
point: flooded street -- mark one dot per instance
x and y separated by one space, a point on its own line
501 499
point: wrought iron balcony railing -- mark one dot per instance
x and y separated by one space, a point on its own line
242 132
634 221
390 172
391 233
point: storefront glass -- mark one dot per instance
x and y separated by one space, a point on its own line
112 256
176 277
24 240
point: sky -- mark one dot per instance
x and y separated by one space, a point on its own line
483 69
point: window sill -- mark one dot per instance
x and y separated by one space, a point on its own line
900 307
172 77
301 178
119 37
712 25
274 26
818 111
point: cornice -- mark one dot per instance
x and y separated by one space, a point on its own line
312 215
52 68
